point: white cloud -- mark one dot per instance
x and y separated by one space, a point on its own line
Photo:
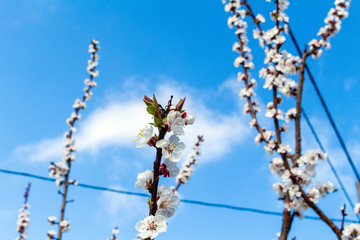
118 122
41 151
121 208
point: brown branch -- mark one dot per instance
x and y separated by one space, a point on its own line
318 211
344 214
157 163
312 205
287 221
246 80
298 103
69 136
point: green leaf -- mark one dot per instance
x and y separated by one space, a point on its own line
150 110
157 121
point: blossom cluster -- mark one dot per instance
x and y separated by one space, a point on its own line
163 199
295 169
332 27
60 170
187 166
300 176
24 217
352 231
23 222
64 226
245 61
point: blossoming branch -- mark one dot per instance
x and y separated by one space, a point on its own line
164 200
61 170
23 218
295 169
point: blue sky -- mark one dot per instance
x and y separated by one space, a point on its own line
180 48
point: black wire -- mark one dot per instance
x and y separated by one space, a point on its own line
206 204
332 122
329 161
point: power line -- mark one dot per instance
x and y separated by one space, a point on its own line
329 161
332 122
194 202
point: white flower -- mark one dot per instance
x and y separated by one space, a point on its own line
314 194
51 220
51 235
284 127
64 226
260 18
171 148
284 148
253 123
151 226
189 118
168 201
238 61
291 114
277 166
325 188
144 180
176 122
351 232
169 168
270 146
144 136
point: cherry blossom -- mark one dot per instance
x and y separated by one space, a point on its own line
171 148
169 168
176 122
151 226
168 201
144 180
144 136
351 232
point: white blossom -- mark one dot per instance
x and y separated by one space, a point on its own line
23 221
144 136
52 220
187 166
64 225
260 18
168 201
176 122
290 114
169 168
314 194
171 148
351 232
277 166
189 118
325 188
144 180
51 235
151 226
284 148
